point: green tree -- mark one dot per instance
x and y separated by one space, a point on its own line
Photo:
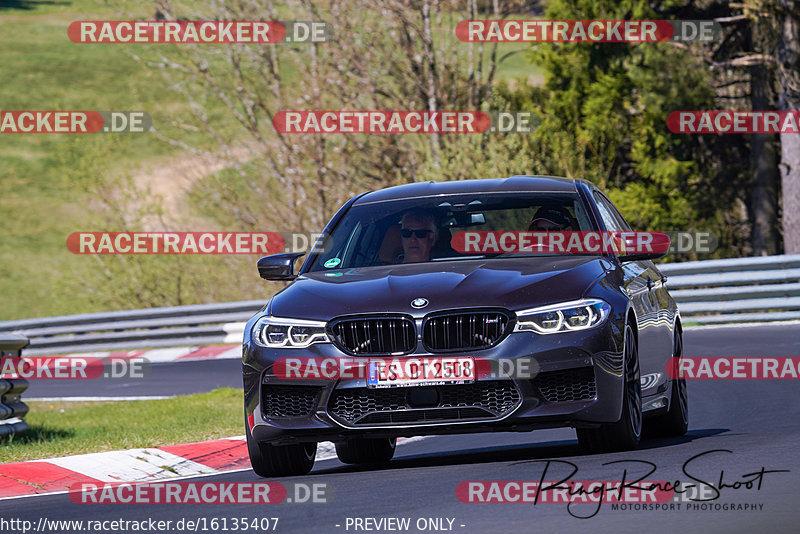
604 119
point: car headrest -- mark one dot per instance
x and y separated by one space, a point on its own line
442 247
392 245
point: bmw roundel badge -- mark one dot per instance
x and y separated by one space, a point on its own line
419 303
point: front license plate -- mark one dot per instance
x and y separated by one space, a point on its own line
399 372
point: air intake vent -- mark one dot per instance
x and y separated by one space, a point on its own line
464 330
485 400
568 385
374 335
288 401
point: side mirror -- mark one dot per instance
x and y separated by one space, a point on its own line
278 267
642 246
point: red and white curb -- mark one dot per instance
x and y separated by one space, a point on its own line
165 355
152 464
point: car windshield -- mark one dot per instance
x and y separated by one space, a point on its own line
427 229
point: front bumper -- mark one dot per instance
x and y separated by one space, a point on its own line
575 380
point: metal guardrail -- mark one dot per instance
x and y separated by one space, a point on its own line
765 288
12 409
201 324
712 291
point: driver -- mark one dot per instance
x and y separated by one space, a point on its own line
419 232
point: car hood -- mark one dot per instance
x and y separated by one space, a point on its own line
512 283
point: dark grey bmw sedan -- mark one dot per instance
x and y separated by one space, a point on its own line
416 314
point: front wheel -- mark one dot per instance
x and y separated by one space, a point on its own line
270 460
624 434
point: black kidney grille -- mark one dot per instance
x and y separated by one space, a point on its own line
479 400
462 331
375 335
567 385
288 401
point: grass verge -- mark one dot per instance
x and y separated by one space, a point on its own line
66 428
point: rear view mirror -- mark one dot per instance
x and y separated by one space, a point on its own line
278 267
477 218
463 219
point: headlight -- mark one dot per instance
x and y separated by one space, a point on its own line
563 317
275 332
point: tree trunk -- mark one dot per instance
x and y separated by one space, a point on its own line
790 178
789 100
764 164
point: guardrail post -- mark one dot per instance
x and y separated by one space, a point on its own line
12 409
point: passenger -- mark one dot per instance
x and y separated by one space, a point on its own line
549 219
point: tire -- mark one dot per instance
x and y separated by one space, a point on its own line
675 422
280 460
366 451
626 433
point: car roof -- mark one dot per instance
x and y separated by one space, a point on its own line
513 184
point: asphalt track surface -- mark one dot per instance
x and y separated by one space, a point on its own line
173 378
757 421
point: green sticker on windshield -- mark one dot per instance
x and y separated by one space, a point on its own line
331 263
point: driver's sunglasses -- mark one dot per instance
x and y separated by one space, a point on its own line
421 233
